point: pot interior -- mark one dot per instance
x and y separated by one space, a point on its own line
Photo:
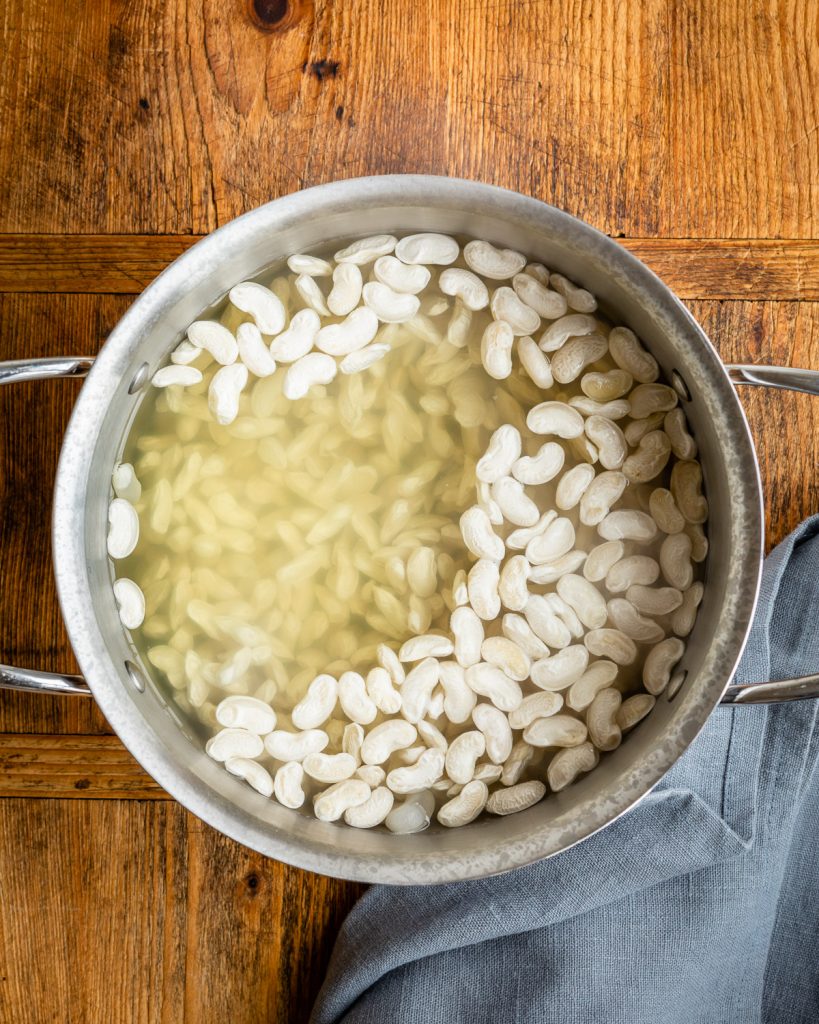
153 729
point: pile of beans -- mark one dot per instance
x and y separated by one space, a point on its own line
471 513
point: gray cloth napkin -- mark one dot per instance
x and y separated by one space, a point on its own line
700 905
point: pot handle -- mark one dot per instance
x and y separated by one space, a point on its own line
23 678
791 379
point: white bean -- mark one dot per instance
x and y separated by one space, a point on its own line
261 303
390 307
381 742
428 247
506 306
478 535
123 528
335 800
562 669
287 785
496 349
226 386
570 762
234 743
536 705
512 587
401 277
130 603
462 756
628 620
467 629
542 467
601 558
214 338
355 702
418 687
497 264
598 676
601 719
314 368
496 730
482 586
549 304
428 646
299 337
466 806
243 712
252 773
419 776
295 746
517 507
612 644
555 731
373 811
329 767
630 355
584 599
555 418
317 704
176 376
468 287
659 662
365 250
253 351
494 684
573 485
502 452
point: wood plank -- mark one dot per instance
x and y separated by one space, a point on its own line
137 913
78 767
644 118
695 268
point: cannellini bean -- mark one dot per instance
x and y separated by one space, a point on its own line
428 247
234 743
346 291
123 528
287 785
634 710
432 735
466 806
311 294
363 359
614 410
422 574
468 287
462 756
389 306
331 804
647 399
317 704
676 426
173 375
373 811
352 334
226 386
488 773
682 621
600 495
547 303
482 586
628 620
125 483
214 338
381 691
459 697
664 511
388 660
612 644
650 459
654 600
407 818
402 277
584 599
516 798
517 762
185 353
601 719
383 740
512 587
354 699
252 773
417 689
415 777
130 603
312 265
535 362
517 629
253 351
545 624
606 387
555 418
299 337
577 298
608 439
502 453
365 250
494 684
373 774
601 558
636 430
261 303
496 349
567 764
497 264
295 746
556 540
560 670
536 705
555 731
429 646
628 524
578 353
630 355
575 325
598 676
573 485
551 572
631 570
467 630
243 712
659 662
505 305
686 480
517 507
675 561
565 614
314 368
518 539
496 730
351 740
542 467
478 535
329 767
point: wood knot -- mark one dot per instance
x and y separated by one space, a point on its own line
275 15
322 68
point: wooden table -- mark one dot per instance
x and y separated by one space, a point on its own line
689 131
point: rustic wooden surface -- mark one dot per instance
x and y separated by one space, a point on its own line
688 131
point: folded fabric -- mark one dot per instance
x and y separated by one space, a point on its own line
699 906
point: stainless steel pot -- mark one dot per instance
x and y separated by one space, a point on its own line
150 727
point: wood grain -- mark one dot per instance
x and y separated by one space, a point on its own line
688 131
645 118
695 268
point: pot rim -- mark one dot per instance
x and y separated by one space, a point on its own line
426 865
